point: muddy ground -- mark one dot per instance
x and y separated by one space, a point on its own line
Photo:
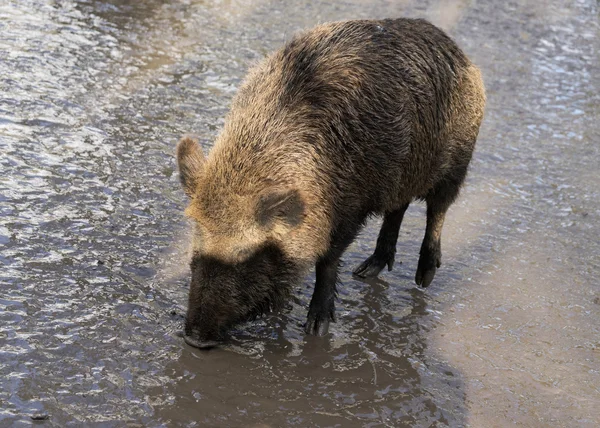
93 264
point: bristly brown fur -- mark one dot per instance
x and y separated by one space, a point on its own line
346 120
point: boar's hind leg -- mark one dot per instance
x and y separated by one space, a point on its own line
385 250
438 200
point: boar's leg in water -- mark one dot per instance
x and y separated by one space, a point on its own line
385 251
322 305
438 200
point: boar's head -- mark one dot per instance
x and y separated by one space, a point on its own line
245 231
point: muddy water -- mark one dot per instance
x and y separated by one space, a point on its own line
93 243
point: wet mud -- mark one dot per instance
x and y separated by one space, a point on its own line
93 243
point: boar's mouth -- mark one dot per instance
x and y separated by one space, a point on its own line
200 344
194 337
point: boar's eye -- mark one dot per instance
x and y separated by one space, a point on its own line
285 205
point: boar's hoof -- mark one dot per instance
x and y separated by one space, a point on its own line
317 327
371 267
318 322
200 344
426 270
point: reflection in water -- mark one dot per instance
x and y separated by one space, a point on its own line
371 371
92 240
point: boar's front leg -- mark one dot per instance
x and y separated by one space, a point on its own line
322 305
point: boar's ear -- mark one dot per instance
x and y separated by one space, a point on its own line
190 160
285 205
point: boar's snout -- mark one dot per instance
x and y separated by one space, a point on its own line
195 338
223 294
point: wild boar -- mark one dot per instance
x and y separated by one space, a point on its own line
347 120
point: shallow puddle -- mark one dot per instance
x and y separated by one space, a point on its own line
93 241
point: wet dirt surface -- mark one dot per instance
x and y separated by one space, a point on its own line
93 265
